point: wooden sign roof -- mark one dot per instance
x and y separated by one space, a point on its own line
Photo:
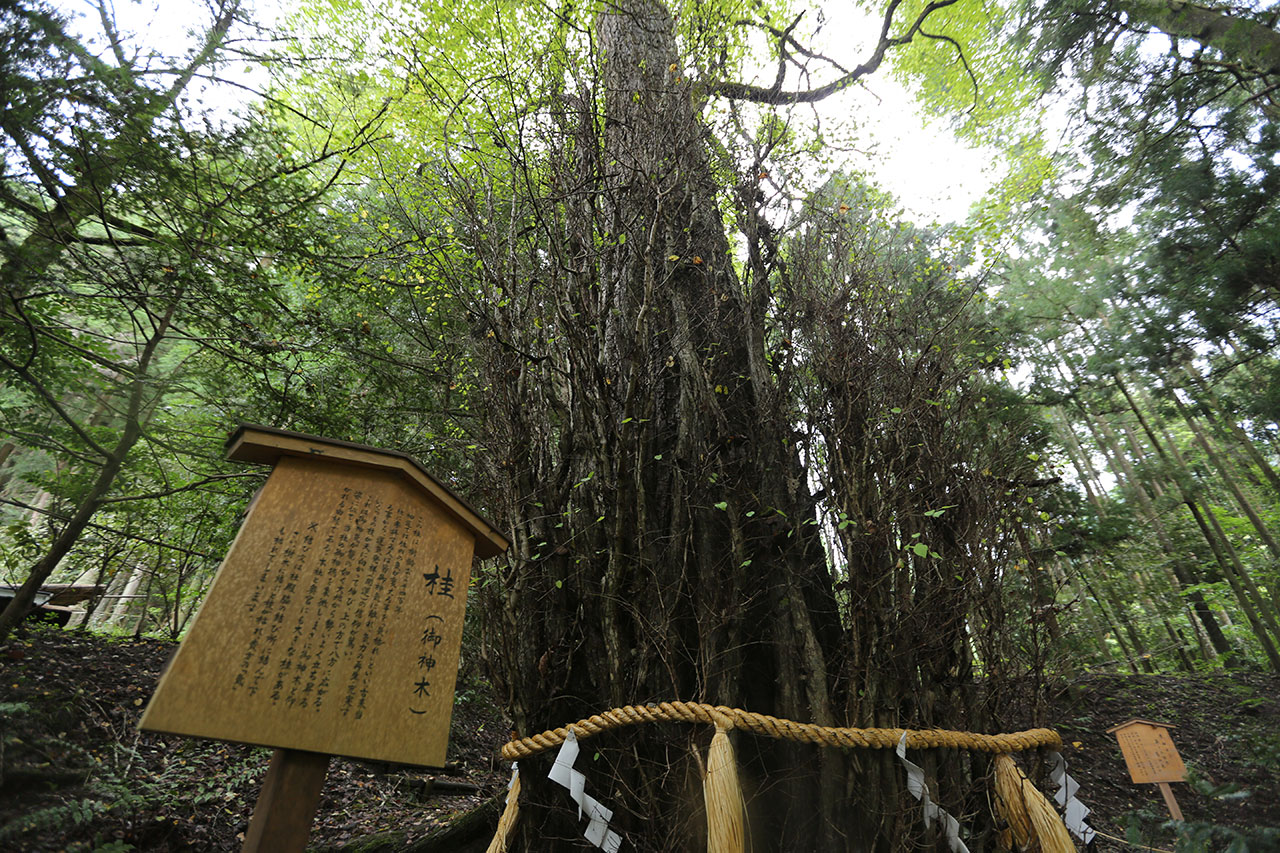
1138 721
264 445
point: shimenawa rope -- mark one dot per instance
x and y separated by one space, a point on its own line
775 727
1035 823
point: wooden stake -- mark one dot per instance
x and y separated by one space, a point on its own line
287 802
1169 801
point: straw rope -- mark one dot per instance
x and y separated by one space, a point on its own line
506 823
1032 821
762 724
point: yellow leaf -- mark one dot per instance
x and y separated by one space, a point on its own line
673 257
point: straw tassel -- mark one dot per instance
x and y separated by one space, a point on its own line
506 823
723 796
1033 823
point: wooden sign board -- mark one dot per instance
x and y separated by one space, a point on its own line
1149 752
335 622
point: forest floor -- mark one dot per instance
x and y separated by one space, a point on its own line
75 774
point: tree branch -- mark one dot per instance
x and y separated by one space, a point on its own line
775 95
102 527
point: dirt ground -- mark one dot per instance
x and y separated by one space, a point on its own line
1227 731
75 774
78 776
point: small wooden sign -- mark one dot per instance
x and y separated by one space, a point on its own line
335 622
1149 751
1151 756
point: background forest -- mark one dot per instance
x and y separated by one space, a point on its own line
615 271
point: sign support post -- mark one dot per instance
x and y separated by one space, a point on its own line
1170 802
334 624
287 802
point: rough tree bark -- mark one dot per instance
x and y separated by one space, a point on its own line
677 562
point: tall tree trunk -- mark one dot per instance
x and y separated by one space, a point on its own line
21 603
6 450
1235 575
1089 478
644 449
1111 621
1087 612
125 601
1215 458
1228 422
1184 575
1268 611
673 559
145 609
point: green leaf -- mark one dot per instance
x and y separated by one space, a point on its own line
722 505
921 549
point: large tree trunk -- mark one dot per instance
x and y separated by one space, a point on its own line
1184 578
1228 479
646 455
661 545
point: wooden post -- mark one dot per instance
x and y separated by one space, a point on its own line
1174 811
287 803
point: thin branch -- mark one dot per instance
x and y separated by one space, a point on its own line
102 527
55 404
164 493
963 61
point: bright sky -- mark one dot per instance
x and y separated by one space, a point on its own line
934 176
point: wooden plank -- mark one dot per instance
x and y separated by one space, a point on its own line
287 803
334 624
